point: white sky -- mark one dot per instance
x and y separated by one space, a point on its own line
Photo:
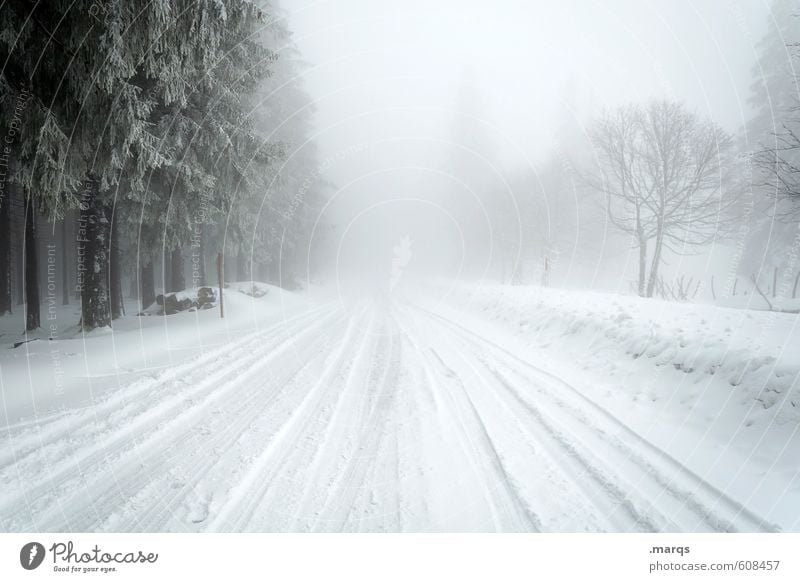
384 74
370 59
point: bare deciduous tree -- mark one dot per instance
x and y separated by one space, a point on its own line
780 160
665 174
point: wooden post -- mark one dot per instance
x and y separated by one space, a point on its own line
220 276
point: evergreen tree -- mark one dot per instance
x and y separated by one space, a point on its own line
775 89
770 140
285 206
101 77
145 116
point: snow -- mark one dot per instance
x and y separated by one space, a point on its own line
717 387
77 369
461 408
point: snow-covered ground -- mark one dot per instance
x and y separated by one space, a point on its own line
716 388
59 368
468 408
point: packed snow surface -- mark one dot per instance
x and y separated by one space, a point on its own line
467 408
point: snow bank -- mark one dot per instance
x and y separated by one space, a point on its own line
759 303
60 367
251 288
755 355
717 388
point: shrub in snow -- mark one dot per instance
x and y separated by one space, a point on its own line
206 297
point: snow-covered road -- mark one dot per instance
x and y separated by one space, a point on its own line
382 417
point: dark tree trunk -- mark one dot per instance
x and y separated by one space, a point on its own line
241 266
270 275
79 246
198 259
65 260
95 301
178 282
201 251
6 267
228 265
263 272
166 272
19 248
32 312
77 280
148 284
115 267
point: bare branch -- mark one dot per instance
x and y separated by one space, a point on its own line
666 176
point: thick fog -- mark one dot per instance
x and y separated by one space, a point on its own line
383 266
427 113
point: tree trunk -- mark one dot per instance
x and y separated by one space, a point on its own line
202 252
19 248
78 262
166 272
115 267
148 292
241 266
228 266
93 262
546 272
651 282
6 266
178 283
199 258
31 267
517 274
269 272
796 281
642 266
221 282
65 260
775 282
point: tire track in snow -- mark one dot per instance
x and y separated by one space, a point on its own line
246 498
392 494
28 436
507 506
342 501
61 445
573 466
698 496
341 439
115 449
218 446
